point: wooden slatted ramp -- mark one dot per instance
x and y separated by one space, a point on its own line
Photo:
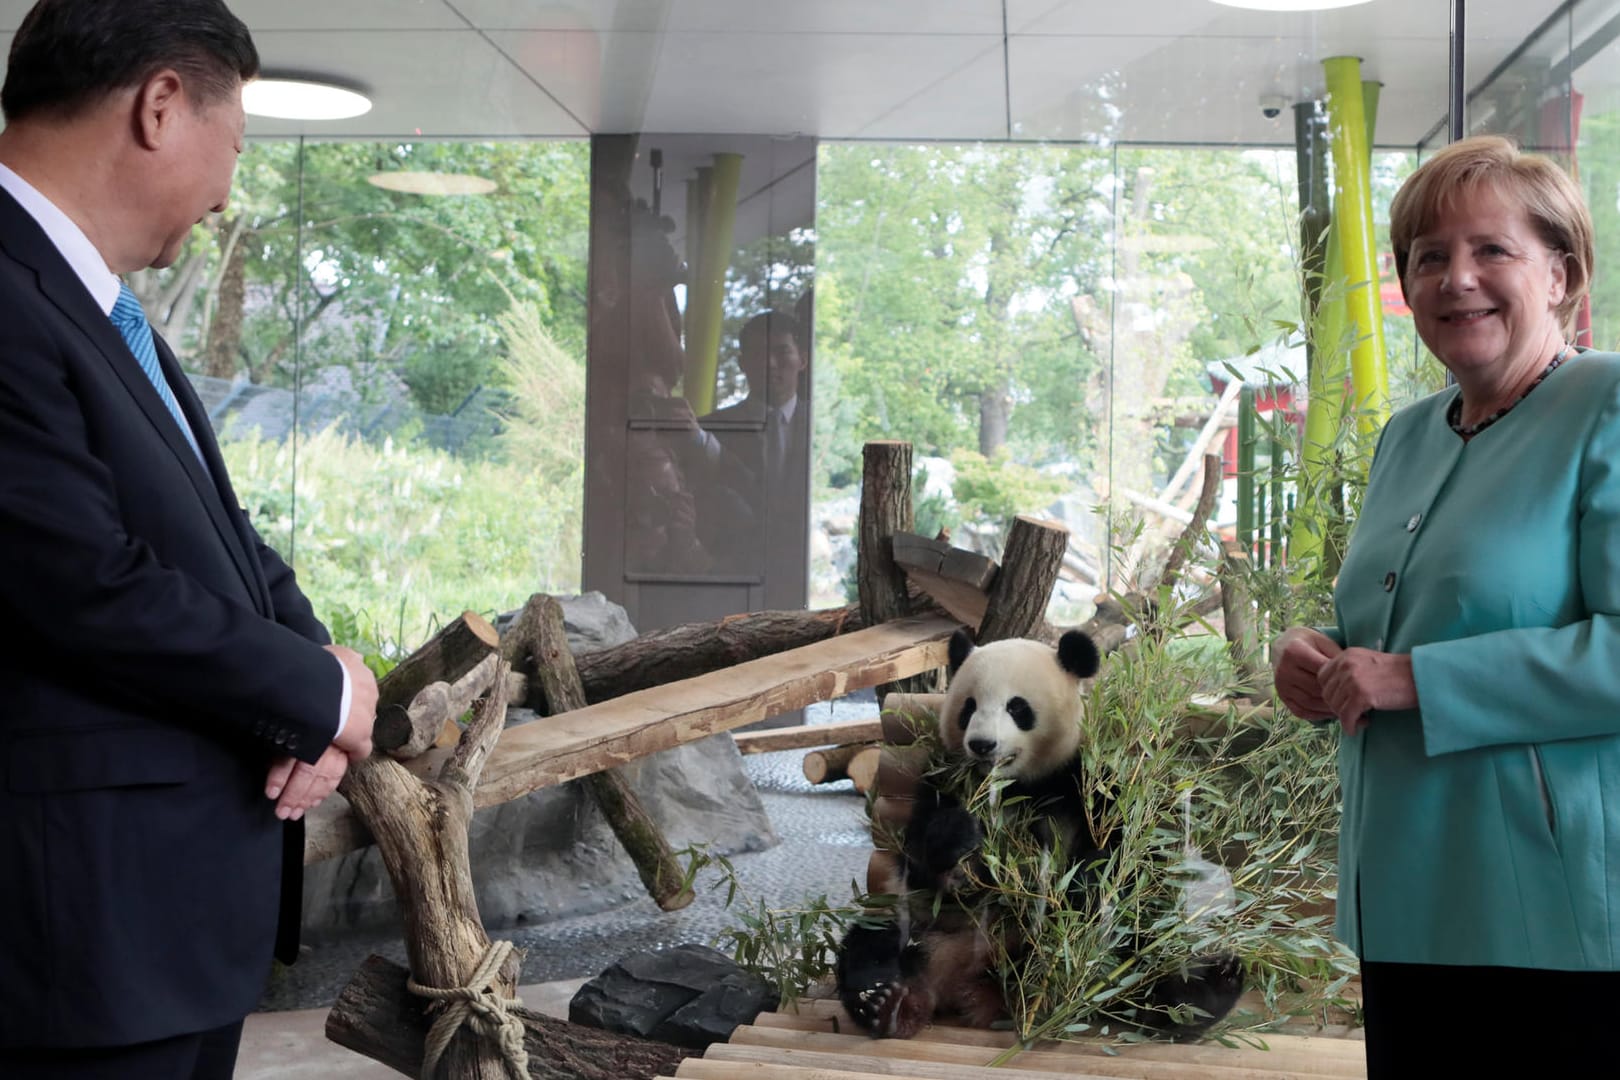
819 1042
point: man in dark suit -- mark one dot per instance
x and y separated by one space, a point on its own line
172 704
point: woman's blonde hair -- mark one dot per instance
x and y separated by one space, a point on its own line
1545 192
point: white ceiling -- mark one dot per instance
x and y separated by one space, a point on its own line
1142 71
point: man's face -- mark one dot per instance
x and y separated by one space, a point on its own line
782 369
207 143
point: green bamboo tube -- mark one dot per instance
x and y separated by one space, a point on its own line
706 292
1324 360
1245 470
1353 222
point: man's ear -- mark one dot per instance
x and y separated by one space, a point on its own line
158 102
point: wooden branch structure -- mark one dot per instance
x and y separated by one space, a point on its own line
544 645
420 828
959 581
614 732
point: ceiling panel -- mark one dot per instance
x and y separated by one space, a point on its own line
440 83
834 85
347 15
1148 89
740 16
1383 19
969 102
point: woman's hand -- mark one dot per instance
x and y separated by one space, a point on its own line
1297 658
1358 681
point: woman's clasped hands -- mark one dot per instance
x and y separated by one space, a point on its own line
1318 680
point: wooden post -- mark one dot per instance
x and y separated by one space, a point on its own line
561 691
1029 568
445 657
420 828
885 510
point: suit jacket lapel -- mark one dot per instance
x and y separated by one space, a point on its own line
213 484
26 241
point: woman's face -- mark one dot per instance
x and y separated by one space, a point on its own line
1483 287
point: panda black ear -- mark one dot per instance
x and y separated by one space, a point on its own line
1078 654
961 645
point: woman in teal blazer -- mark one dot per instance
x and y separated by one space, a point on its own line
1475 665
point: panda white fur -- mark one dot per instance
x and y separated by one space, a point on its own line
1014 709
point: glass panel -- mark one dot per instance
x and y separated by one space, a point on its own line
401 327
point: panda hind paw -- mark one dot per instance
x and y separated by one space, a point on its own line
889 1009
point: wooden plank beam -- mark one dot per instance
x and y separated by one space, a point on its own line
806 736
627 728
958 581
585 741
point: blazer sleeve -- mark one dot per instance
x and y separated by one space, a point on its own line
78 589
1541 684
292 608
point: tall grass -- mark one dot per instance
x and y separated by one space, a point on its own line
390 539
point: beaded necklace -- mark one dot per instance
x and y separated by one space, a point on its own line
1454 412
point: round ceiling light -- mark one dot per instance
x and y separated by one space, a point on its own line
302 99
1291 5
432 183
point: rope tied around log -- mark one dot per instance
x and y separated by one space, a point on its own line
479 1005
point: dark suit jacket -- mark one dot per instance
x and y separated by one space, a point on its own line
155 657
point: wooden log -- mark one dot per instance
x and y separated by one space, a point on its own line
376 1016
891 811
421 833
886 511
832 764
899 769
445 657
959 581
560 689
906 716
1029 569
805 736
883 871
621 730
681 652
434 711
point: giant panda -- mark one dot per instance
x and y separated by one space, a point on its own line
1013 711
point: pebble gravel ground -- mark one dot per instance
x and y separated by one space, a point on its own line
824 847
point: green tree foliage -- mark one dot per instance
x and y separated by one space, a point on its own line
386 281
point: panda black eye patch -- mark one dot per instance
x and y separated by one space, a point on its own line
1021 713
966 714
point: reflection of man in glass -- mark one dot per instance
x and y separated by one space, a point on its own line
771 360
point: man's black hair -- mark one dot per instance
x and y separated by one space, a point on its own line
69 54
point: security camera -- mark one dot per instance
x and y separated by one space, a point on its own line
1272 105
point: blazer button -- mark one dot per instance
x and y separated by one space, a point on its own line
1412 522
1389 581
292 742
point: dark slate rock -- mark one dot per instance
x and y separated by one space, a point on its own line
690 995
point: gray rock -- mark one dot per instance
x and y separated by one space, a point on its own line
690 995
551 854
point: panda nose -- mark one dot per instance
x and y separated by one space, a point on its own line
982 748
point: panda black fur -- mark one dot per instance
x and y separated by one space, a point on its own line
1014 710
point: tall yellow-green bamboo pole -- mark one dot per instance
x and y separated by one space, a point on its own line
1329 351
706 291
1353 221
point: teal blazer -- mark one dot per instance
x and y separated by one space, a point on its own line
1483 827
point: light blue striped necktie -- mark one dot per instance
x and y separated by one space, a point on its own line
130 319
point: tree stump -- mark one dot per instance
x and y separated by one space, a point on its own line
1029 569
